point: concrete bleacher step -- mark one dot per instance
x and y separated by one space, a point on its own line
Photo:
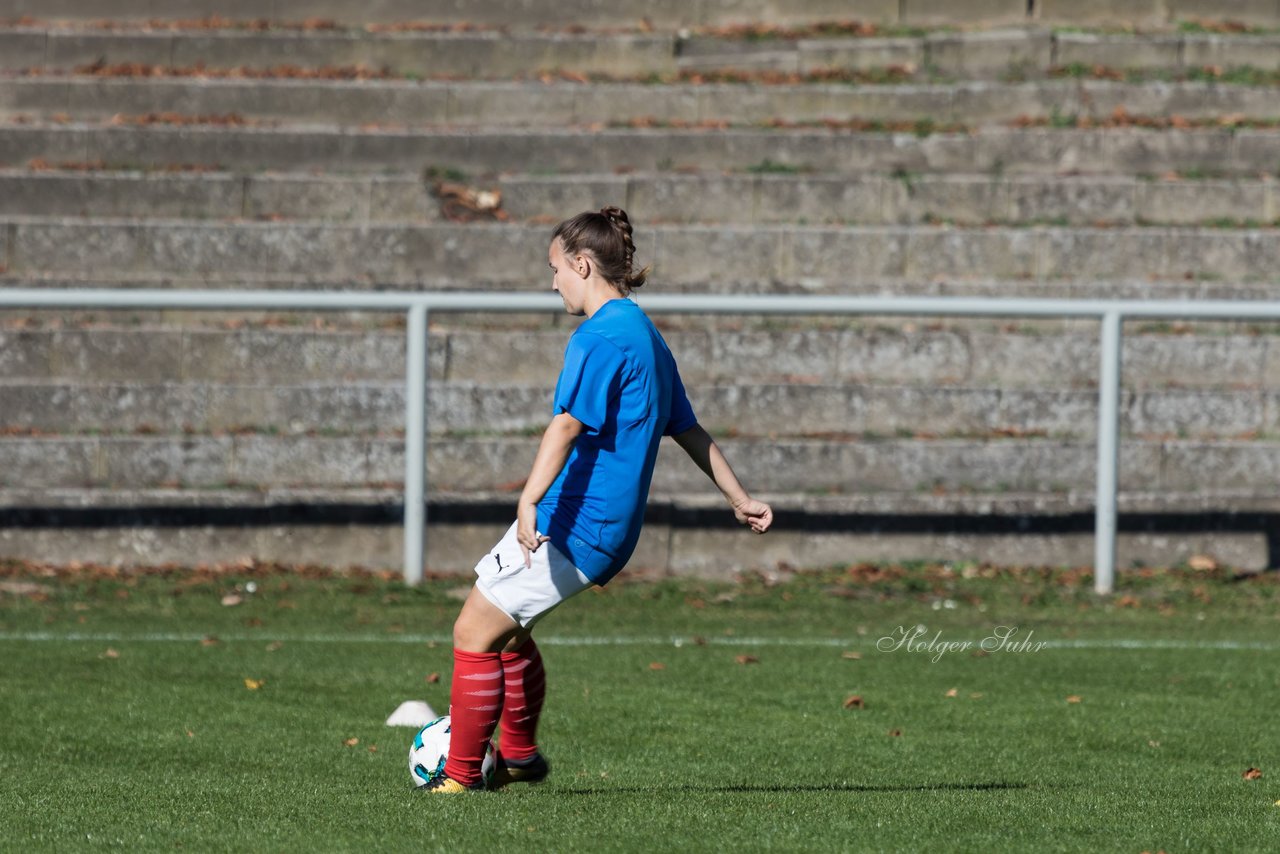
686 534
813 466
218 195
760 197
783 196
494 53
1225 151
996 52
826 257
552 105
746 408
947 353
287 440
657 13
478 54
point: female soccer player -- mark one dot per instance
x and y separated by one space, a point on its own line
581 509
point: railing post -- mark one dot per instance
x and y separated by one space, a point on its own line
1104 561
415 445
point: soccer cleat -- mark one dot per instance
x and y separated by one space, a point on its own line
442 785
534 770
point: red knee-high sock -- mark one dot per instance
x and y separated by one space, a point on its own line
475 702
526 687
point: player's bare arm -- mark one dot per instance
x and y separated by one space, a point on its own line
557 442
704 451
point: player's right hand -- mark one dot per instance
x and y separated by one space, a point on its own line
527 532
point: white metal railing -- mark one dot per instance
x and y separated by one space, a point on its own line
1111 313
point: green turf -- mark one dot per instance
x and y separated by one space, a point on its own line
162 746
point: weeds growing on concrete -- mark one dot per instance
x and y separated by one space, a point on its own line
770 167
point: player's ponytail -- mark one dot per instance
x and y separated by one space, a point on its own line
606 234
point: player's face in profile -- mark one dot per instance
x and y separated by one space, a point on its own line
565 280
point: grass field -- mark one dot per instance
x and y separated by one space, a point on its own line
680 716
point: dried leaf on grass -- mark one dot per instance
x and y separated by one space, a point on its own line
351 742
746 659
23 588
854 701
254 684
1252 774
657 665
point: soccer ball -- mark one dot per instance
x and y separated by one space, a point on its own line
430 749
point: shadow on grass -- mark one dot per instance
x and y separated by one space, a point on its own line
801 787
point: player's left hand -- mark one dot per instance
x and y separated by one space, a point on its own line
527 532
756 514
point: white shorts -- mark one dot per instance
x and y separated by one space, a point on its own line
526 594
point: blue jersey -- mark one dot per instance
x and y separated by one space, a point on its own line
619 380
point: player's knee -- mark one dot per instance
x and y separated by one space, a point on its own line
474 632
464 633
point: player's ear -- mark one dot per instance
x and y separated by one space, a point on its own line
582 264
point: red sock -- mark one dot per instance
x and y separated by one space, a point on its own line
526 687
475 701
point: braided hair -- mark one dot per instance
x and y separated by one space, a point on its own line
606 234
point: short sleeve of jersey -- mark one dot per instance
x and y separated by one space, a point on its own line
590 378
682 417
